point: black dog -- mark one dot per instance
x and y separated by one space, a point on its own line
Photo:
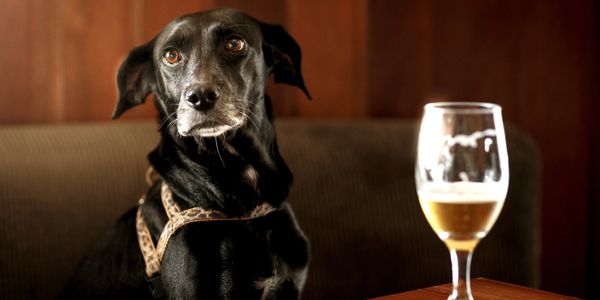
208 72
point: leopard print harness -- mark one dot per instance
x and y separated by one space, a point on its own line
178 218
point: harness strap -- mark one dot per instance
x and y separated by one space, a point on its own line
177 218
146 245
171 208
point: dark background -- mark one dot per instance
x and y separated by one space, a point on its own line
362 59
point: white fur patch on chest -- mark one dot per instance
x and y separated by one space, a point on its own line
251 175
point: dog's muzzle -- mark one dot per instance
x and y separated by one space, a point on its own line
152 254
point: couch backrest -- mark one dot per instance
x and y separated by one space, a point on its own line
356 199
354 196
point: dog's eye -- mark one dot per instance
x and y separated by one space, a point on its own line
171 56
235 45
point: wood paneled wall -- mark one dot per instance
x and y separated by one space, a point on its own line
538 59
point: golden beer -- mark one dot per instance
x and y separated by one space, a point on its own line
461 213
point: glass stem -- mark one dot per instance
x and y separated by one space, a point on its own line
461 274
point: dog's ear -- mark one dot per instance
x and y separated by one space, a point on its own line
135 79
282 55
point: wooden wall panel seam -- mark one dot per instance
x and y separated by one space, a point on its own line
60 76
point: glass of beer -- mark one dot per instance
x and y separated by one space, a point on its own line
462 178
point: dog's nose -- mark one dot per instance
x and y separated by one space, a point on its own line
202 98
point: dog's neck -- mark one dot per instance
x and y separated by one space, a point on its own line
232 173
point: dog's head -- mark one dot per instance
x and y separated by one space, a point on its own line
209 71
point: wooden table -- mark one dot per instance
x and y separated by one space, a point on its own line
483 289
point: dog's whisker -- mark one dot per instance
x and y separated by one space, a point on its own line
246 109
218 152
253 118
172 123
249 115
249 111
242 106
166 119
252 121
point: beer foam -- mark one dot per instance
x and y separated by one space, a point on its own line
463 192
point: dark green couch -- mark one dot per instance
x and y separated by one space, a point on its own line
354 196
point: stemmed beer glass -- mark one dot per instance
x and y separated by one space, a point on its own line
462 178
